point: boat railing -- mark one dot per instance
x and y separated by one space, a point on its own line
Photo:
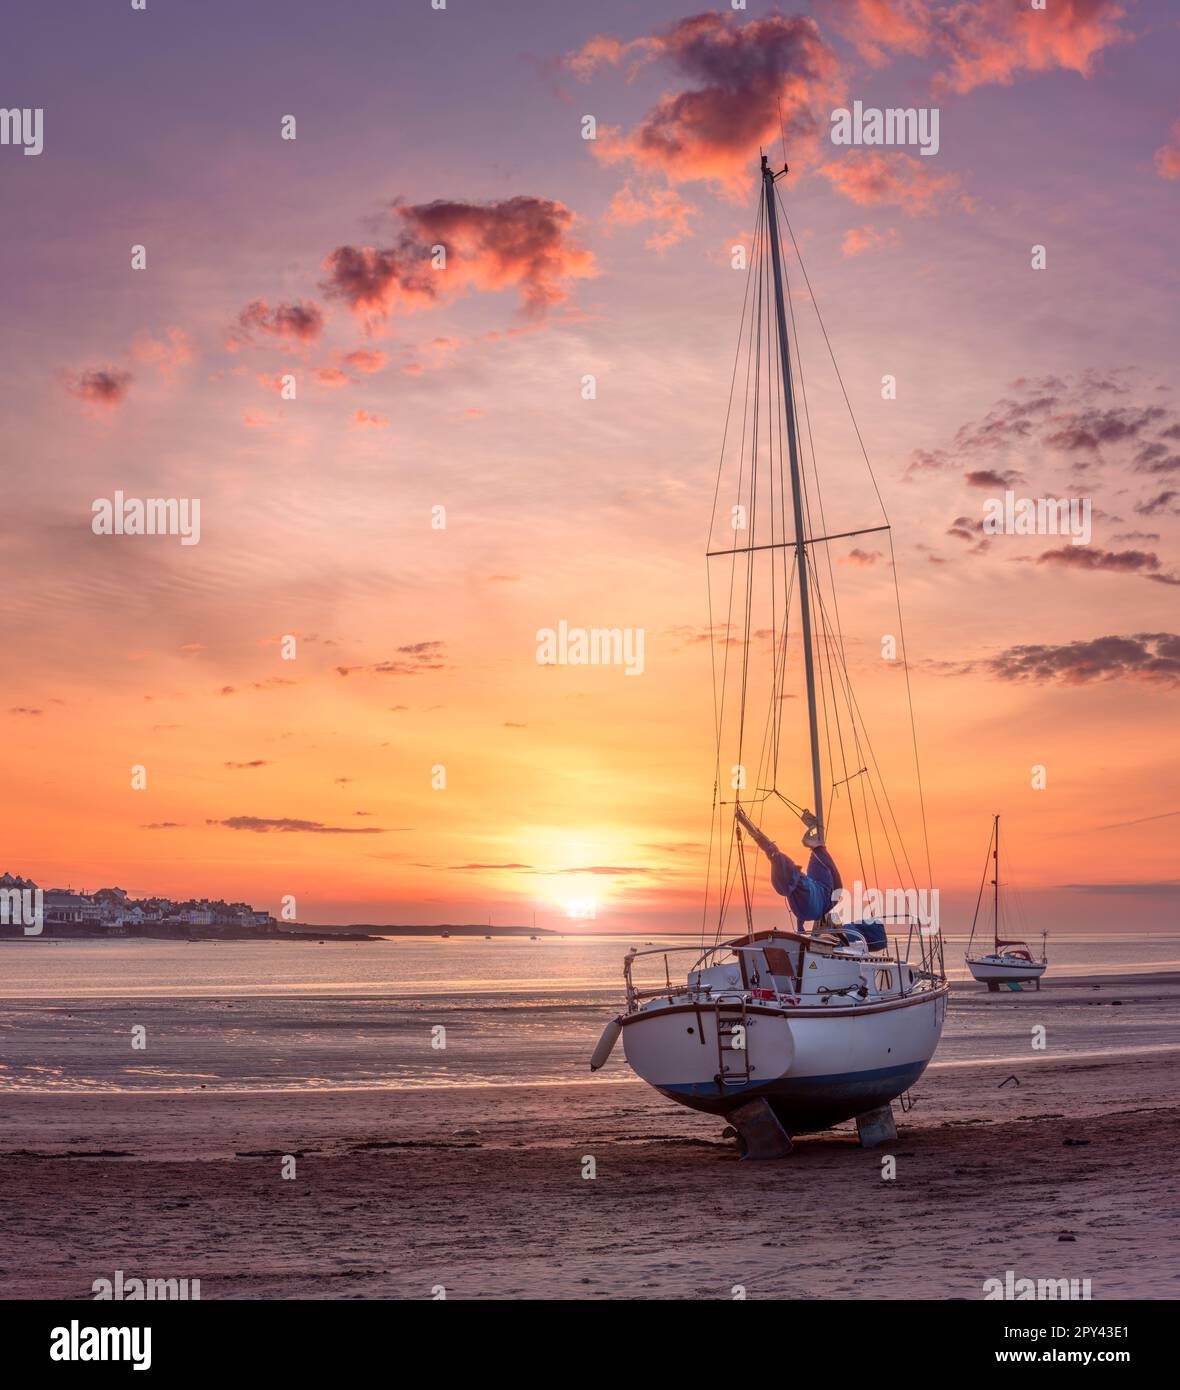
635 994
925 963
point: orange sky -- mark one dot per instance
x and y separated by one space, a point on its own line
463 388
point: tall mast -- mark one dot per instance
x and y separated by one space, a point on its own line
796 491
996 887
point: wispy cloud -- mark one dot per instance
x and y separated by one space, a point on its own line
285 825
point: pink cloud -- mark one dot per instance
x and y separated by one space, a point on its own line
364 360
985 41
167 353
332 377
520 243
296 323
102 386
361 419
663 206
858 240
742 85
895 179
1167 157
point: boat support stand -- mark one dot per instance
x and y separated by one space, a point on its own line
876 1127
759 1133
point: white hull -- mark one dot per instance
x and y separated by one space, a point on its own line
990 971
815 1065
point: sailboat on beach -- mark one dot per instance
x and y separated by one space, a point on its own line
784 1030
1010 961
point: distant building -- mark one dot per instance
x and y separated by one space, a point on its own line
112 912
64 907
8 880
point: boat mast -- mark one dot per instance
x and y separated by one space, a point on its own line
796 491
996 887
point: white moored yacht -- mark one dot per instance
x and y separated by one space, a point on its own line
784 1030
1010 960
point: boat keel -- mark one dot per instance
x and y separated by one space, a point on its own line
760 1135
876 1127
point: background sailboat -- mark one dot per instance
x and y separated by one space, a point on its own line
1011 960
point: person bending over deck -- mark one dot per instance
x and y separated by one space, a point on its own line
810 895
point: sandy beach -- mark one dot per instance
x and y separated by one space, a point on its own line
1064 1170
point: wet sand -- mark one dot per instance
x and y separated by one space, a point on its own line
1069 1174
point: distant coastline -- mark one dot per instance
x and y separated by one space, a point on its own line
295 931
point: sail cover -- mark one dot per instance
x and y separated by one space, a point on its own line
810 895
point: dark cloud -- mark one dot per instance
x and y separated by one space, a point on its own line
1157 457
1162 502
1086 557
1149 657
969 528
298 322
105 386
1061 416
287 826
462 868
1093 428
862 559
412 660
1161 888
990 478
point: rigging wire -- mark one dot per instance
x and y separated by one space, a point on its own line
893 560
715 819
982 885
765 413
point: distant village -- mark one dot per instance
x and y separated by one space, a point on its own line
111 912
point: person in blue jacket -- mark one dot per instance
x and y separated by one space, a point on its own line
811 895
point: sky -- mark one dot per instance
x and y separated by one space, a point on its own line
310 768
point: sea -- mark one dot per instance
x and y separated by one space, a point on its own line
401 1013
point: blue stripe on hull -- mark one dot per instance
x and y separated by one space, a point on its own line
803 1103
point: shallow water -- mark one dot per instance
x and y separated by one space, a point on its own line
267 1015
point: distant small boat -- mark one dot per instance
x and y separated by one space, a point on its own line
446 936
1010 961
487 938
532 938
